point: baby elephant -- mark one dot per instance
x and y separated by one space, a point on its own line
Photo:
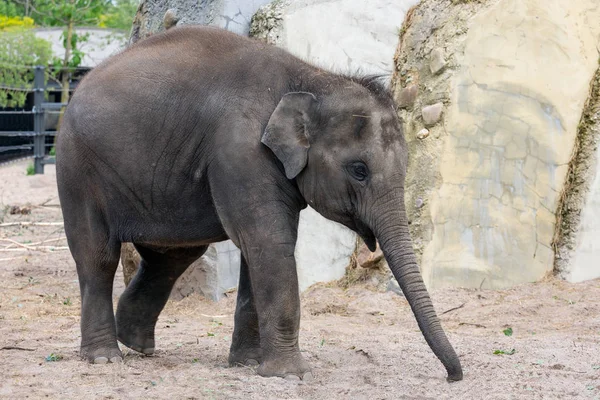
197 135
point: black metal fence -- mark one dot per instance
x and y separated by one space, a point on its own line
23 133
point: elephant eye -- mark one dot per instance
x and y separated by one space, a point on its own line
358 170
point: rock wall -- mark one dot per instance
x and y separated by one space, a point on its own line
349 36
341 35
491 93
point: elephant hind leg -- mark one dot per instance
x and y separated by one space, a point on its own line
245 341
96 256
148 292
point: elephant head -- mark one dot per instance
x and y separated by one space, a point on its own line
346 150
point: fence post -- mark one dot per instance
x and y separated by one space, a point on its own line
39 140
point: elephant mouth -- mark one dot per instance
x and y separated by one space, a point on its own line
366 234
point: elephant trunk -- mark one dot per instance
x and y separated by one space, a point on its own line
391 230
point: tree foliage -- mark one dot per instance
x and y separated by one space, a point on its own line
19 48
116 14
11 9
60 12
119 15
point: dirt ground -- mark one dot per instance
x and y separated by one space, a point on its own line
361 344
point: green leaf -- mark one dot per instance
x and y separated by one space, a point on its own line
508 331
505 352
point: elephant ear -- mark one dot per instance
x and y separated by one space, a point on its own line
286 133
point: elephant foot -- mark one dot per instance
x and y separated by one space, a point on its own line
290 368
137 339
102 355
245 357
136 336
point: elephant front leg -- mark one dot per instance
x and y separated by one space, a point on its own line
274 282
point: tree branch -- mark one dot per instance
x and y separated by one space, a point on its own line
35 10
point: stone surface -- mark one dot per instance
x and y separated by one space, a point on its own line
367 259
342 35
203 277
323 249
228 261
233 15
491 183
345 35
432 114
130 260
170 19
436 61
407 96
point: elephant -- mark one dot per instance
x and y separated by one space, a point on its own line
197 135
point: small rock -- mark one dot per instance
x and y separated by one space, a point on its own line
423 133
407 97
436 61
366 259
432 114
419 203
170 19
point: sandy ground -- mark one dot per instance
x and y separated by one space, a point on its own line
361 344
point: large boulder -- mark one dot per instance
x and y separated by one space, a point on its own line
492 92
